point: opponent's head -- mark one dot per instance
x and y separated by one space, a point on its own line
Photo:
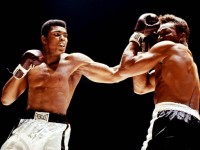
173 28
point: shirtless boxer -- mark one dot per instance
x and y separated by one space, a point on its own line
168 70
51 76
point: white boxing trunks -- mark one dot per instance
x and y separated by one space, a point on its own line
38 133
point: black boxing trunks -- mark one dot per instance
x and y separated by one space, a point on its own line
173 126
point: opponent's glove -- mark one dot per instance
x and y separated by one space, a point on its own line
30 59
146 25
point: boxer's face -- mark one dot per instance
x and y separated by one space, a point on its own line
167 31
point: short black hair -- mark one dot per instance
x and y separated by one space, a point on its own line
46 27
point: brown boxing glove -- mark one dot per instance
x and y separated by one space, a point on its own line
29 59
147 24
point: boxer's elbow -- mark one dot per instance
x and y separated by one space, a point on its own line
6 101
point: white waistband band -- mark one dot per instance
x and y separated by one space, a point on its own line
176 106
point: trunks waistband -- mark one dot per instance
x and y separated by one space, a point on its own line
176 106
45 116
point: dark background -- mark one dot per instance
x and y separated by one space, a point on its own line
102 116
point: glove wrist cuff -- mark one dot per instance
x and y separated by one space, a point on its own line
20 68
137 37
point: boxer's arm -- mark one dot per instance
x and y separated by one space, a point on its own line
146 25
144 83
17 84
94 71
99 72
12 90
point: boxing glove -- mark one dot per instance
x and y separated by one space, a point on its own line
146 25
30 59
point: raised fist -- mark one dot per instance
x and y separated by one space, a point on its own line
29 59
147 23
146 26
